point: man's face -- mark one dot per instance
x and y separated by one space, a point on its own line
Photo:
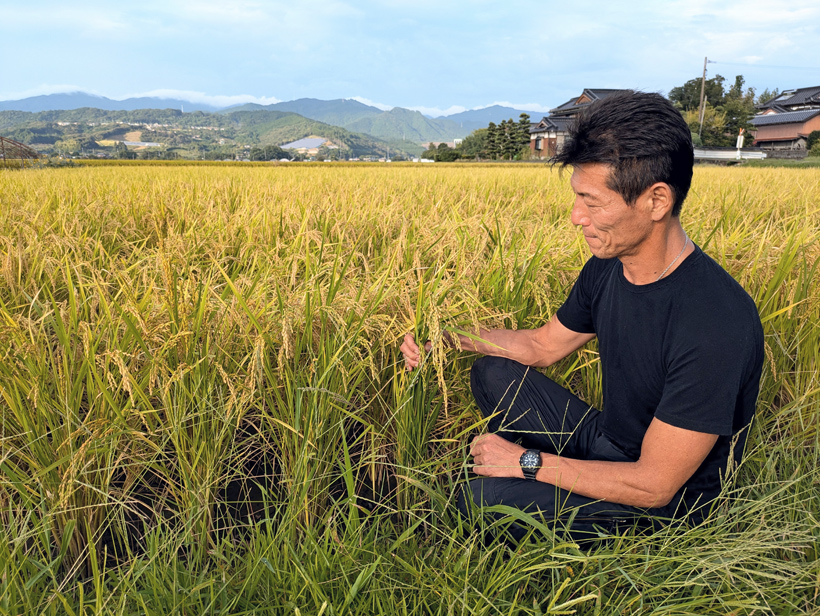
610 226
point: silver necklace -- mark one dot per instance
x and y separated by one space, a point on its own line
685 243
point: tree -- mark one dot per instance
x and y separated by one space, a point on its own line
739 107
87 143
524 133
736 91
687 96
474 145
493 141
121 151
767 95
268 152
429 153
68 147
159 155
220 152
714 126
512 139
724 114
508 140
446 154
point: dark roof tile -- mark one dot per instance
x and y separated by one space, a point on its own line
556 123
784 118
800 96
593 93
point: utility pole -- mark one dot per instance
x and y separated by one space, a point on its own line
701 108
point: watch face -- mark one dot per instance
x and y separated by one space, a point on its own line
530 459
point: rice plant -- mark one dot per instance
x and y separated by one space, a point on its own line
204 409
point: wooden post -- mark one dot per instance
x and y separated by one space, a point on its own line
702 91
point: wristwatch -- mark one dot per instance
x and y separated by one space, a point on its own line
530 462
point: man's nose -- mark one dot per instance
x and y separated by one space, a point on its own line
579 214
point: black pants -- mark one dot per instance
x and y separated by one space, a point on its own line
529 408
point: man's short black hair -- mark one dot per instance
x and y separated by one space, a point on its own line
641 136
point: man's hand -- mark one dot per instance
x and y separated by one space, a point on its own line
495 456
411 351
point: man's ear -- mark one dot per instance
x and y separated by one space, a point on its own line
660 199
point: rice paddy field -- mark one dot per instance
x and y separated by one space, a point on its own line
205 411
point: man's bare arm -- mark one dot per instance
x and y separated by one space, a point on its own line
669 457
531 347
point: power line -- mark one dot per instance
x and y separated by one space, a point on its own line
800 68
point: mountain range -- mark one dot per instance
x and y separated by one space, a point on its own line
396 124
79 100
195 134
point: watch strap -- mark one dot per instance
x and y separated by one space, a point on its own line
530 462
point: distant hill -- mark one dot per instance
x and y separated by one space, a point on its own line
79 100
398 123
270 127
480 118
403 124
339 112
190 132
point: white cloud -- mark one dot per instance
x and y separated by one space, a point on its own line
400 51
84 20
435 112
761 15
216 100
367 101
296 26
522 106
45 89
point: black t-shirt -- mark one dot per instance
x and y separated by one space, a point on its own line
687 349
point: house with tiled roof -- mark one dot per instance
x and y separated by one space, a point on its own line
792 100
785 121
574 105
548 135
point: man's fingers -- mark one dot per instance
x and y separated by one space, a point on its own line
410 350
476 443
409 345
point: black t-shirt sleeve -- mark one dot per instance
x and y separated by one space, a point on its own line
576 311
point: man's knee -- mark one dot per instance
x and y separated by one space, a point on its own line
491 378
489 368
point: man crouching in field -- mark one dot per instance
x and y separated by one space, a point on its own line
680 341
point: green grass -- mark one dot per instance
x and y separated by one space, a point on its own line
204 409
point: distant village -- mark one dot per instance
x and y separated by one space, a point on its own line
782 127
787 125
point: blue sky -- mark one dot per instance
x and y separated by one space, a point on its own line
433 55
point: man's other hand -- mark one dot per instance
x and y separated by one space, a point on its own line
411 351
494 456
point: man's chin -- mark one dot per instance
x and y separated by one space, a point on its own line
600 251
594 244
